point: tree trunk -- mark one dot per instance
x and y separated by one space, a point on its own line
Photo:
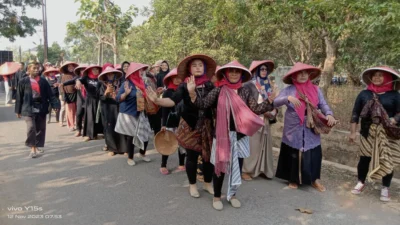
115 47
99 55
329 64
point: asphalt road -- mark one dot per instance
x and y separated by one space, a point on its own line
75 183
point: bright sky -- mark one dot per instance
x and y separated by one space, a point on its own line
59 13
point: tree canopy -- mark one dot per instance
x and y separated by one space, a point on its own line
13 20
339 36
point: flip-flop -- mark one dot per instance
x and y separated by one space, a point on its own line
246 177
318 186
293 186
164 171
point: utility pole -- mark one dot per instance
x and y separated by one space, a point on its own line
101 3
44 16
20 54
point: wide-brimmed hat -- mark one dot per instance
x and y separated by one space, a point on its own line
246 75
133 67
298 67
217 68
51 70
65 66
9 68
78 69
105 65
255 64
165 142
170 75
86 71
183 67
117 66
103 77
366 75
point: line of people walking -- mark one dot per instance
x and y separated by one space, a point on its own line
222 114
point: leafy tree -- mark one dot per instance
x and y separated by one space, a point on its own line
13 21
104 21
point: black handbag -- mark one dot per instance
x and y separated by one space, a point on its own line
174 117
172 120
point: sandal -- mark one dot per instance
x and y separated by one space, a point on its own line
86 139
246 177
105 148
164 171
293 186
217 205
235 203
318 186
193 191
181 168
78 134
208 188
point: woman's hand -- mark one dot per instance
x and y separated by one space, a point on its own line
78 85
160 90
352 138
393 121
163 128
331 120
295 101
274 94
110 89
271 114
151 94
127 88
191 85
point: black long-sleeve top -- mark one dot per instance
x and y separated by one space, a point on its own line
19 76
389 100
54 89
90 85
24 99
191 114
166 110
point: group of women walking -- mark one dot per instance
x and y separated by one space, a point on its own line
225 115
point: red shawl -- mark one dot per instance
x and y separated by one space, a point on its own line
310 91
91 75
246 122
226 82
199 80
137 80
172 86
35 84
386 86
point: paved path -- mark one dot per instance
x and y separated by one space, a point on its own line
81 184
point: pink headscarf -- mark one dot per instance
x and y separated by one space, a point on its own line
225 81
310 91
91 75
387 84
137 80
